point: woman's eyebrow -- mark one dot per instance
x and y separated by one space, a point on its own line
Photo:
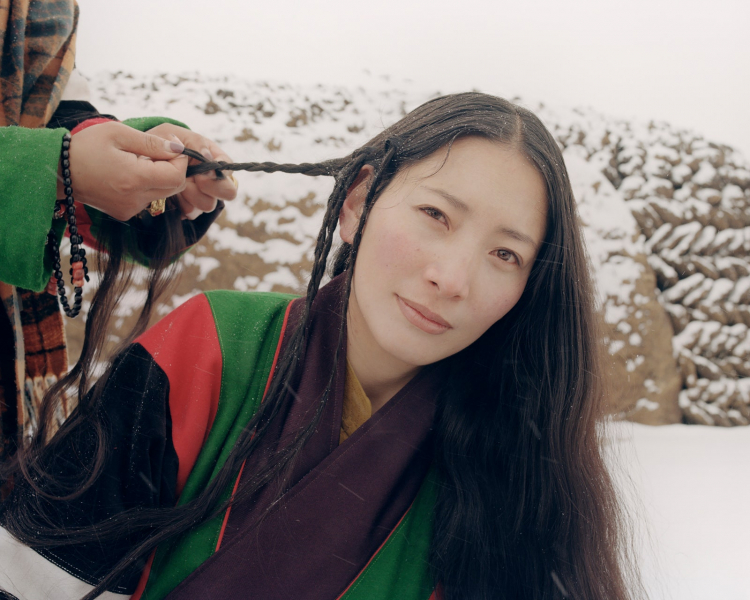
517 235
460 205
450 198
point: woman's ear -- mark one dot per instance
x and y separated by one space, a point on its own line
351 210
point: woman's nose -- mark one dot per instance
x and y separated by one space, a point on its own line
450 272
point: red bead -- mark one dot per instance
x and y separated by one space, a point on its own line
78 282
77 265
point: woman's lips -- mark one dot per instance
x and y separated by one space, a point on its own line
422 317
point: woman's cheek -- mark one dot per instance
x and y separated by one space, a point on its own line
505 298
396 246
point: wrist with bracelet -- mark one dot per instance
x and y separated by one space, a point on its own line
78 270
65 209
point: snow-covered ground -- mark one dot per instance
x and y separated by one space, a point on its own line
690 493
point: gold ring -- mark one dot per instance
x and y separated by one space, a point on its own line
157 207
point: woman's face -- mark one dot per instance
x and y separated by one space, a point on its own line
446 252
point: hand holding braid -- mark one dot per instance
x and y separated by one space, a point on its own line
120 170
108 175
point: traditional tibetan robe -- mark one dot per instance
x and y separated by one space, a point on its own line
354 521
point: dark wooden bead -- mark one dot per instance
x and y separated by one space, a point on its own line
71 210
66 154
66 164
68 189
73 229
67 183
72 221
74 249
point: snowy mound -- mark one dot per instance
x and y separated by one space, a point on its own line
665 215
691 201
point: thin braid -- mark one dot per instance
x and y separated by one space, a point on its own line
345 171
391 149
327 168
330 221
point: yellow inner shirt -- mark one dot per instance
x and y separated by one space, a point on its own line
356 408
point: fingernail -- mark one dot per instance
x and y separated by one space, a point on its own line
174 146
207 154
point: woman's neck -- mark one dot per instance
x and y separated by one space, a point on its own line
381 376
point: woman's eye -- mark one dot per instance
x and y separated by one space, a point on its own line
507 256
434 213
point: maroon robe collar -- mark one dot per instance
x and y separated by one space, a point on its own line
344 501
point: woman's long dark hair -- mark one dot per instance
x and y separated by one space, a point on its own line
527 508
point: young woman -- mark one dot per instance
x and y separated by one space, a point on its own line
424 424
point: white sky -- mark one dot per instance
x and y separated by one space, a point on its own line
684 61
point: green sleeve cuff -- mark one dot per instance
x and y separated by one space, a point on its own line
146 123
28 178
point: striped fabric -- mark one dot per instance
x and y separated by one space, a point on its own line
38 41
38 52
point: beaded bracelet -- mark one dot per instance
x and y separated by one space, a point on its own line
78 270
